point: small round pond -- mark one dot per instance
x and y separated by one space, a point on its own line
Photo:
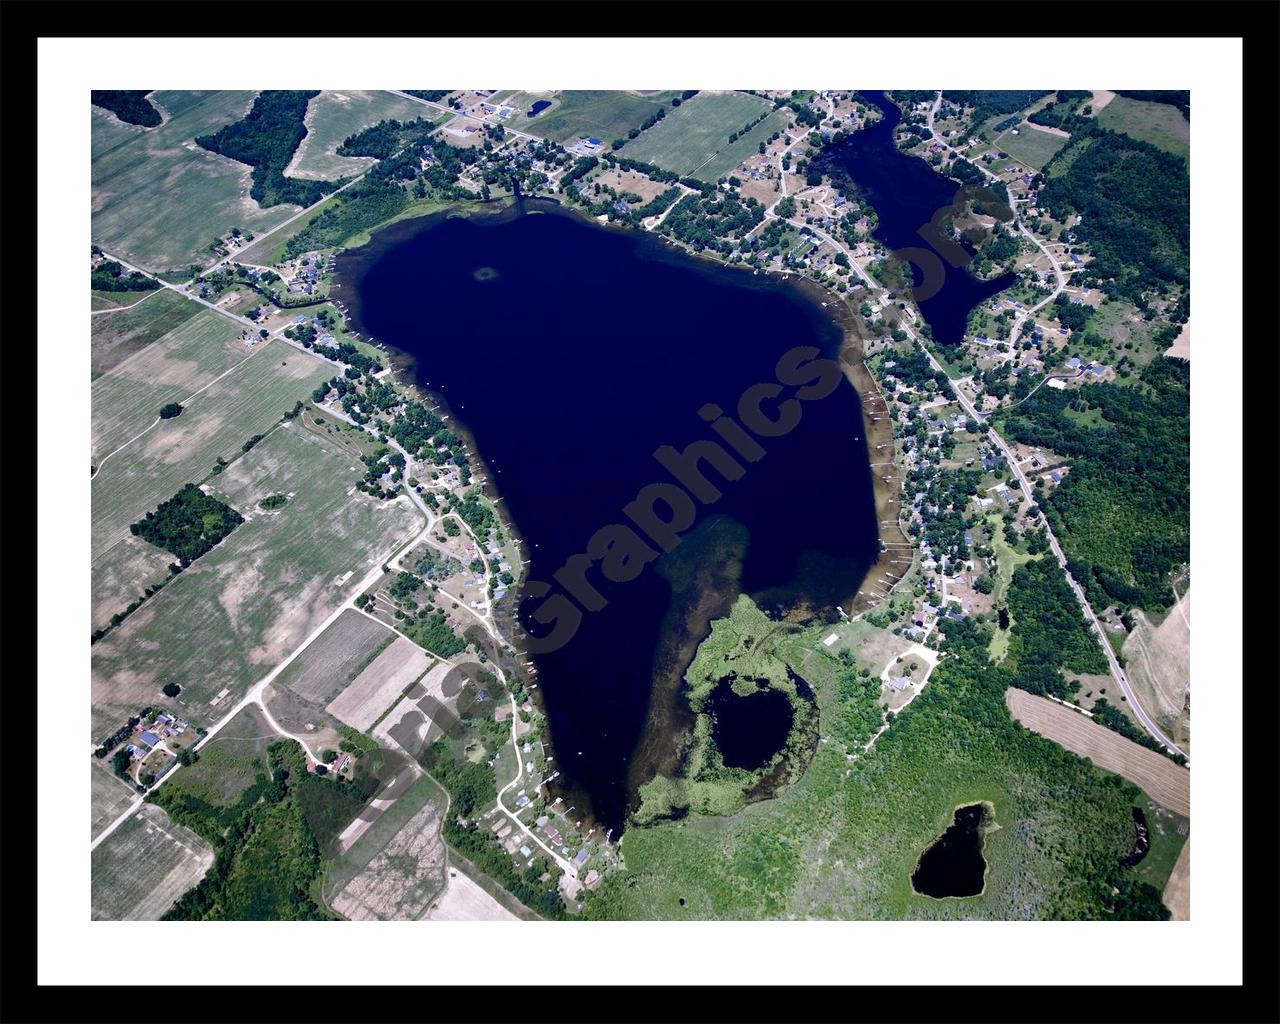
748 730
953 864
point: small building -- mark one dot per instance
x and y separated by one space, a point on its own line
526 852
1074 362
582 856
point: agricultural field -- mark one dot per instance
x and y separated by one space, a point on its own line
1031 146
100 301
1161 124
117 336
128 398
1165 782
693 139
334 116
336 657
465 900
1158 661
379 686
607 114
396 869
215 424
244 605
109 797
158 198
141 869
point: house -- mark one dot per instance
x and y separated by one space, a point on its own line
1099 370
1074 362
149 738
522 801
899 683
526 852
1056 477
582 856
592 879
968 537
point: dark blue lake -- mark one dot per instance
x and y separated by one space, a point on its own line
572 352
906 193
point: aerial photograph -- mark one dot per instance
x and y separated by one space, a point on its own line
602 505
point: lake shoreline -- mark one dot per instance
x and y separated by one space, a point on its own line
352 265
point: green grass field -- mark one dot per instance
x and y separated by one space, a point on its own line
333 116
605 113
1031 146
242 607
117 336
229 762
144 866
129 397
693 139
1158 123
158 198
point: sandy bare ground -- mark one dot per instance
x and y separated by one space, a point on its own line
1177 891
377 687
400 882
1101 97
464 900
1181 348
1163 781
1048 130
1159 662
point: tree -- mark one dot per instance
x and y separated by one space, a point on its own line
171 410
171 689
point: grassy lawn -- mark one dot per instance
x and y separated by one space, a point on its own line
604 113
158 198
333 116
240 609
1161 124
229 762
1030 146
1007 560
693 139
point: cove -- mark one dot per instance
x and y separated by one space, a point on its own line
906 193
570 352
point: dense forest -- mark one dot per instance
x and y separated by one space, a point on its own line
385 190
988 103
188 524
110 276
266 857
1135 206
130 105
1123 513
266 139
1049 631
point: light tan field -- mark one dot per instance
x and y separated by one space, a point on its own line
630 181
1101 97
396 868
1181 348
1159 665
1177 891
464 900
144 866
377 687
1163 781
